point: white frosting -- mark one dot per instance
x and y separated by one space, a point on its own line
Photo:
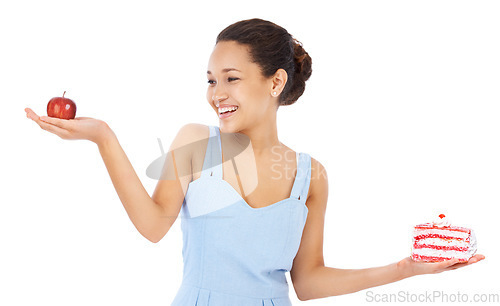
441 222
444 232
442 253
444 242
473 243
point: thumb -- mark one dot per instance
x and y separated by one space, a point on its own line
446 264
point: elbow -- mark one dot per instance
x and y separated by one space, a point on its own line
308 294
304 297
154 238
303 293
308 286
155 234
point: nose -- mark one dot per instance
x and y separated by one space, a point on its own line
218 95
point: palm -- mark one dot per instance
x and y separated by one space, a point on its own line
437 267
78 128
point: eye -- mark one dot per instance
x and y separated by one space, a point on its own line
211 82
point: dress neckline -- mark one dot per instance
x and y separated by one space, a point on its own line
226 183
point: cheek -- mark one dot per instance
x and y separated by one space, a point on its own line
209 95
252 92
255 100
259 96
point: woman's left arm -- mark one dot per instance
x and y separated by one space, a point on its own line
312 280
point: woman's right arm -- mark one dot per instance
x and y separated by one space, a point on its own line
152 216
146 215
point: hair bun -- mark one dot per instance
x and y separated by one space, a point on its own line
302 60
299 55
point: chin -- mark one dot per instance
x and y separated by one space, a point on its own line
227 128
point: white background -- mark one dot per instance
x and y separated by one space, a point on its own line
402 110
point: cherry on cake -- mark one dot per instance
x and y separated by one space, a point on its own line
439 241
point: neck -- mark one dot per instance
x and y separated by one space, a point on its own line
263 136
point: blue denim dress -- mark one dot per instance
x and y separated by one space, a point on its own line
234 254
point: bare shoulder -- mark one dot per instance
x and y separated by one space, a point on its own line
189 136
194 131
318 187
193 140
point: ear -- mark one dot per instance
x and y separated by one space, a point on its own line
278 81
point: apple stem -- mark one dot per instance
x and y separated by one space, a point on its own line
64 93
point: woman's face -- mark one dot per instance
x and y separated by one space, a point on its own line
233 80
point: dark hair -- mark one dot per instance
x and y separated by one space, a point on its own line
272 48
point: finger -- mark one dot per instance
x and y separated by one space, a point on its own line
54 129
31 114
28 110
61 123
463 264
476 258
54 125
472 260
446 264
479 257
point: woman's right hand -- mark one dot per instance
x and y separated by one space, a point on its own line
88 128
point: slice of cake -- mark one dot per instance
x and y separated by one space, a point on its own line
439 241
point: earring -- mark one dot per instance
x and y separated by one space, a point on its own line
274 93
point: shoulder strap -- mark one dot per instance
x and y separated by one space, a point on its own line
303 178
212 165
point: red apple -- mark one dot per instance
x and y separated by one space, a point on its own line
61 107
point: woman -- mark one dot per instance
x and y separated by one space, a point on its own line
248 222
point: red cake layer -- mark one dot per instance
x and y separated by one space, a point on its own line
447 228
439 247
437 236
432 258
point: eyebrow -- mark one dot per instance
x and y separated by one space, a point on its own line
225 70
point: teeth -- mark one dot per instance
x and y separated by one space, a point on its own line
226 109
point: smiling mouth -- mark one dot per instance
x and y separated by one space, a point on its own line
229 111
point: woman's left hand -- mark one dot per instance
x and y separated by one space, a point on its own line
419 267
